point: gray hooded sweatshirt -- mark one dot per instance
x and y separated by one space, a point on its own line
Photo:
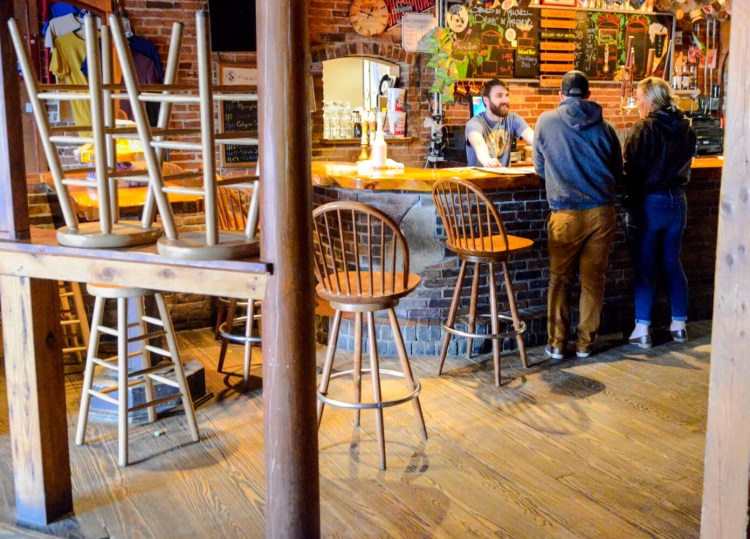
578 156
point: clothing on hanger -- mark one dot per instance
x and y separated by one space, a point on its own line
58 9
60 26
67 57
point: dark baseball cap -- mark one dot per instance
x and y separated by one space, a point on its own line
575 84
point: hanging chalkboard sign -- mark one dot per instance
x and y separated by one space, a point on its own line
514 39
238 116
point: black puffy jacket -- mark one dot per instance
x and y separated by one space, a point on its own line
658 153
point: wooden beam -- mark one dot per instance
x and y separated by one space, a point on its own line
36 399
725 486
289 375
14 209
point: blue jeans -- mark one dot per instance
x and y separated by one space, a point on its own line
654 228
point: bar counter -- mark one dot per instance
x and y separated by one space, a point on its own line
405 195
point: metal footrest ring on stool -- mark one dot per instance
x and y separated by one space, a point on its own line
501 335
371 405
226 333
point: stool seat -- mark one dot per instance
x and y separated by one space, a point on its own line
356 288
111 291
476 233
362 266
134 340
489 249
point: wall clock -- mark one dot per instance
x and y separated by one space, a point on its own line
368 17
457 18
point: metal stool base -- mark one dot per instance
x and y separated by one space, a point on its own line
371 405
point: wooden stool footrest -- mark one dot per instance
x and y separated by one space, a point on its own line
151 370
157 350
154 402
164 380
371 405
108 331
147 336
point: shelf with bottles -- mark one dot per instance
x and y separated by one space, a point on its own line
357 141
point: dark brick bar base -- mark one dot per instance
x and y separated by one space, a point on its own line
525 212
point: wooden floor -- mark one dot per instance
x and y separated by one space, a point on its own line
609 446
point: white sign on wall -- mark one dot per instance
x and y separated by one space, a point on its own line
414 27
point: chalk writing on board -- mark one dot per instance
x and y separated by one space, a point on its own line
509 42
238 116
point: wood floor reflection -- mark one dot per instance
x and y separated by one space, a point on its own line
608 446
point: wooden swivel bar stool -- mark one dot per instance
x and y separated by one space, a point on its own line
238 210
119 363
362 266
476 233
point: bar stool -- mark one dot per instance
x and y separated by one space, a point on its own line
109 231
146 374
238 210
476 233
75 326
211 243
362 266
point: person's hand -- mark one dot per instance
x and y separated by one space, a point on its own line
492 163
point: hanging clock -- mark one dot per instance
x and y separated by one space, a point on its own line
457 18
368 17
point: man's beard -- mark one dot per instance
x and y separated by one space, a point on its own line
500 111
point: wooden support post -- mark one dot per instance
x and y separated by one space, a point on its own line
289 376
36 399
725 486
14 210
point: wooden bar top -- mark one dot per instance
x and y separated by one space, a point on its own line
346 176
43 258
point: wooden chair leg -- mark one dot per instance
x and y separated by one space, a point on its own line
148 384
514 314
376 392
406 368
179 370
357 366
122 380
328 365
221 312
473 308
452 315
229 322
495 324
248 349
88 376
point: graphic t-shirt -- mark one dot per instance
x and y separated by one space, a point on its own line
498 136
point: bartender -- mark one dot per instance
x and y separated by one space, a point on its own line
489 134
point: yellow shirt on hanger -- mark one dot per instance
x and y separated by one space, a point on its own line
67 59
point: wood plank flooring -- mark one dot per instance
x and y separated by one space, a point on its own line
608 446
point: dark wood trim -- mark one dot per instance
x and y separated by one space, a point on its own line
725 486
289 375
14 207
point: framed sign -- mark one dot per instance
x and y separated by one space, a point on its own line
238 116
415 26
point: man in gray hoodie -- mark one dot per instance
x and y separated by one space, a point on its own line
578 156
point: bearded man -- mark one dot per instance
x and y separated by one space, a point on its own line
489 135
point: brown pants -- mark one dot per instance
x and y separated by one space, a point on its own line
579 240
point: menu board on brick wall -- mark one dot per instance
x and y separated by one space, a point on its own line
518 40
238 116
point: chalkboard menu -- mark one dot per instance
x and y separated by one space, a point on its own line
518 40
239 116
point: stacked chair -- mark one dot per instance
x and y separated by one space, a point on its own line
212 244
109 231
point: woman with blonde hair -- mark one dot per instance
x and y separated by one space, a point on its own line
658 157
